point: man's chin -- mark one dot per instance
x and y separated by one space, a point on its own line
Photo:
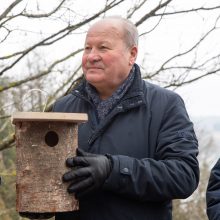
94 81
94 78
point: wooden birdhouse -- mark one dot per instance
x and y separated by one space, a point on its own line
43 143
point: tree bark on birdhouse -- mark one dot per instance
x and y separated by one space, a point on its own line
43 143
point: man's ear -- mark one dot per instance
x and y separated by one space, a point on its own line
133 55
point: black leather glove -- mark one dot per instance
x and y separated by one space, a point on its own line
88 174
31 215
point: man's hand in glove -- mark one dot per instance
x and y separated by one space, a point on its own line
88 174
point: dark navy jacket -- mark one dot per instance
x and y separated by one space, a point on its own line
213 193
153 147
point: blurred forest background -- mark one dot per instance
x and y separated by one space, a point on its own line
41 44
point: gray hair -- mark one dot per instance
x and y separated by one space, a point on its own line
129 29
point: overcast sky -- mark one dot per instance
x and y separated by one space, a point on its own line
202 97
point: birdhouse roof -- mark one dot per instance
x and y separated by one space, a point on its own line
49 116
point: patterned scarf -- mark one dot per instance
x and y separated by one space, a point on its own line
103 107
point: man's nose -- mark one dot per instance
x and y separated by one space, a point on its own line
93 56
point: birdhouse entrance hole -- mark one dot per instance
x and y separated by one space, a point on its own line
51 138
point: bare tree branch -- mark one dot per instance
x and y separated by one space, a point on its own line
73 83
188 11
42 73
6 143
10 7
45 14
178 84
152 12
187 51
5 116
135 8
5 37
155 26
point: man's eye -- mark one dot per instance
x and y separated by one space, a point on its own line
103 47
87 48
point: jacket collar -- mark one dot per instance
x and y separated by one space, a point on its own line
132 99
134 90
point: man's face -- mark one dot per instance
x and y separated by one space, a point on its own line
106 61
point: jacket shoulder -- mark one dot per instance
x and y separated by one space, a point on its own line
64 103
162 95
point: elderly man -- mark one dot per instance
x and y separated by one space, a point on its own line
213 193
138 149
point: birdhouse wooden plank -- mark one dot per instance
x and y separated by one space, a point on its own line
43 142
